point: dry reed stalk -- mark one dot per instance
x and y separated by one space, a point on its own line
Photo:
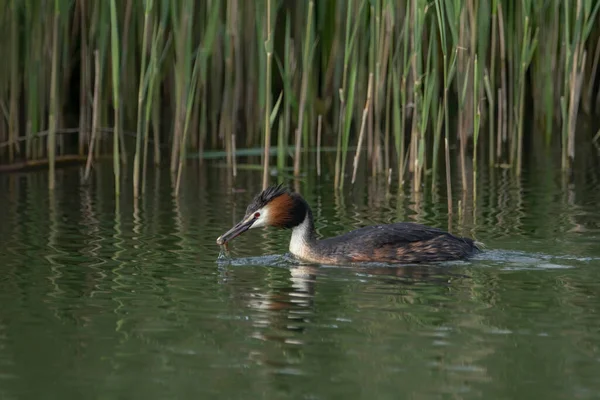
590 88
338 153
225 121
448 176
575 96
237 90
503 102
13 122
156 121
84 81
319 127
52 121
362 126
234 164
95 117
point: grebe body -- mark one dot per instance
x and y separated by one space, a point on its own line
398 243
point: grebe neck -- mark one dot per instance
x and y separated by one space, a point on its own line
304 236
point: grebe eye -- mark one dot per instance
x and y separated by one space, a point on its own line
256 215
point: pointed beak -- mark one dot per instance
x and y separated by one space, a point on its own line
236 231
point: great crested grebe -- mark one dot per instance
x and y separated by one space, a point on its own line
402 242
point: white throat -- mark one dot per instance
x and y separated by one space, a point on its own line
300 237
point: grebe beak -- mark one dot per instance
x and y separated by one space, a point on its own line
236 231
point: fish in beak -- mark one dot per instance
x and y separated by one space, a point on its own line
237 230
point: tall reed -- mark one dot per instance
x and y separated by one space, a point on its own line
52 123
13 124
116 78
267 94
142 91
306 61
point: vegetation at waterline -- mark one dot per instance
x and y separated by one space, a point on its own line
398 80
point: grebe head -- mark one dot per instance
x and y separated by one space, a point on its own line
275 206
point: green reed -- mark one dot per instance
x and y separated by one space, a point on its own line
181 15
32 66
476 121
286 71
188 113
116 78
151 78
99 40
306 61
447 20
456 74
13 124
142 91
528 46
267 94
346 94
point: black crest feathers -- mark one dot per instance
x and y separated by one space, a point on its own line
264 197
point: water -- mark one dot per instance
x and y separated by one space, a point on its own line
105 300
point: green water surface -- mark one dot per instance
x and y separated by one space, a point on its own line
107 300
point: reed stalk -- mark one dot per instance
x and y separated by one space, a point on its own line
267 94
288 73
101 25
114 35
529 44
205 52
306 59
151 101
32 69
362 127
13 125
406 59
225 123
142 90
476 123
388 94
490 82
449 69
52 120
429 87
349 111
374 115
188 114
237 91
181 14
491 123
346 95
503 91
84 83
319 129
95 117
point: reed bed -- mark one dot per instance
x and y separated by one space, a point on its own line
407 81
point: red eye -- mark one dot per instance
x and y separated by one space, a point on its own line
256 215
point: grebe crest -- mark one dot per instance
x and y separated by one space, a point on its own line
402 242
